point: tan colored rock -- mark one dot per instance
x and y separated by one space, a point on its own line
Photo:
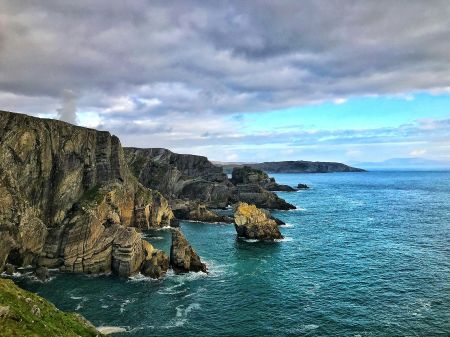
68 199
254 223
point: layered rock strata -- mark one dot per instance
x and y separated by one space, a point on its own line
68 200
183 257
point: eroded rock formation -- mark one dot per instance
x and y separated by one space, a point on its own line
68 200
255 224
194 179
183 257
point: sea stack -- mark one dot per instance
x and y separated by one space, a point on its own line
183 257
255 224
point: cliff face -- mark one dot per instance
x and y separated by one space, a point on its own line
194 178
304 167
68 199
180 176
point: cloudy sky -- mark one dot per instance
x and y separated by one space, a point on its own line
238 80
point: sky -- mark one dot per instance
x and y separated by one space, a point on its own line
331 80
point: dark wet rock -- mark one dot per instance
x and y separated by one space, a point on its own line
10 269
256 224
302 186
183 257
42 273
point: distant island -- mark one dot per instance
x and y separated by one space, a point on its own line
297 166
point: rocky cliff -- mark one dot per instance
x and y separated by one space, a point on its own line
194 178
180 176
68 199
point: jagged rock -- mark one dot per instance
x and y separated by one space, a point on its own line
248 175
42 273
256 224
194 178
156 261
9 269
302 186
183 257
256 195
68 199
180 176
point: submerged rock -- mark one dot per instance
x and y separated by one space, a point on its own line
256 224
183 257
302 186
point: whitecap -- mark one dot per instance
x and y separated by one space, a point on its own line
286 239
287 225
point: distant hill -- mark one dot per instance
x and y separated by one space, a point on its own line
406 163
298 166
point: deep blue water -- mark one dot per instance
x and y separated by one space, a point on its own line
366 254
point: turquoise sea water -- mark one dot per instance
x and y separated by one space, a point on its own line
365 254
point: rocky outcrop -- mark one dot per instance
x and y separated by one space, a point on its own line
180 176
23 313
301 166
156 262
183 258
194 211
256 195
255 224
301 186
191 178
249 175
68 200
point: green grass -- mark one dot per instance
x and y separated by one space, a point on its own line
17 317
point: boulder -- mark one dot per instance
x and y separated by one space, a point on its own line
9 269
183 257
256 224
42 273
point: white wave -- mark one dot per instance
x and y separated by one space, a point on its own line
286 239
124 304
250 240
287 225
181 316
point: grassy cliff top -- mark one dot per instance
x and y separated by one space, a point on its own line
23 313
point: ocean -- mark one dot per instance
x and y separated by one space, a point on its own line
365 254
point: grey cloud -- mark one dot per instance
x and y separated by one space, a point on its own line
228 56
